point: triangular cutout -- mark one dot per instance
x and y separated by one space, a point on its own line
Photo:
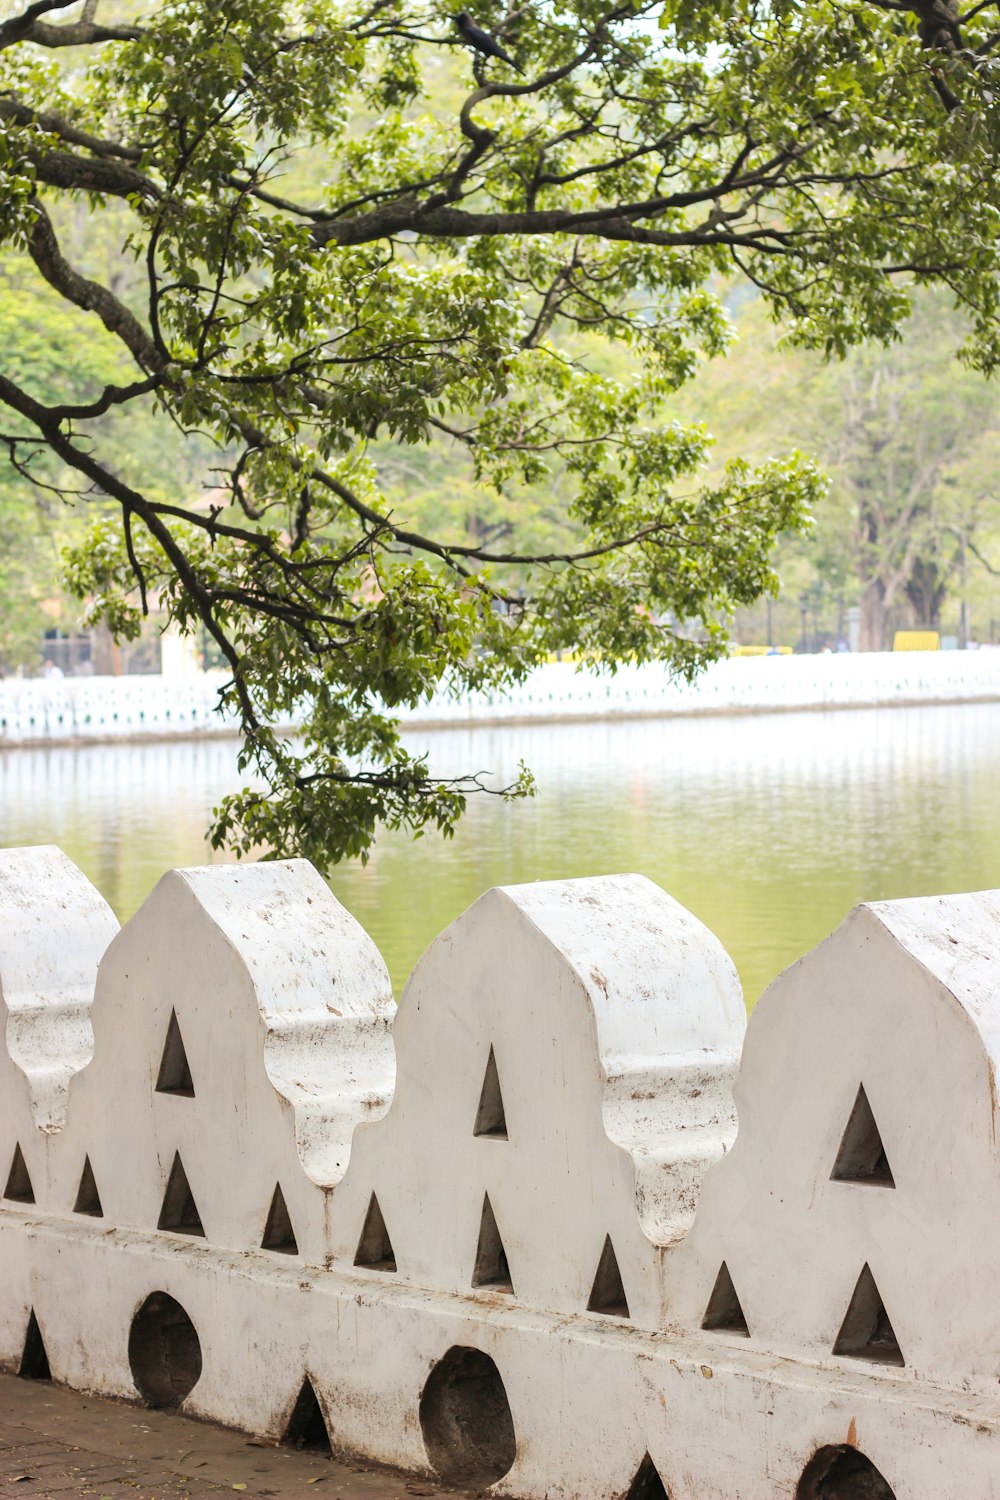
174 1076
375 1247
866 1332
307 1425
278 1232
862 1157
19 1189
724 1310
88 1199
491 1268
34 1360
490 1117
607 1294
179 1211
647 1484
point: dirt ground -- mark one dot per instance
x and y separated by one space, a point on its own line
56 1443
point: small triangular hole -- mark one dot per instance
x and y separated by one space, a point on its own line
19 1189
375 1247
278 1232
307 1425
647 1484
88 1200
608 1294
179 1211
34 1361
174 1076
862 1157
866 1332
724 1310
491 1268
490 1117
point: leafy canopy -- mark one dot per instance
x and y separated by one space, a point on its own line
347 236
910 442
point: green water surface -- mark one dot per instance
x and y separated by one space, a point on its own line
768 827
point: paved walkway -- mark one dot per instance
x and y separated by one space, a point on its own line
56 1443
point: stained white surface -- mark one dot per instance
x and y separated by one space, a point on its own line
615 1021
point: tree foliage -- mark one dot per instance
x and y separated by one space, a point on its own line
909 440
913 467
44 351
354 237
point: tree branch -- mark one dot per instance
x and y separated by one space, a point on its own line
132 501
17 27
13 109
980 558
79 34
43 248
91 174
621 222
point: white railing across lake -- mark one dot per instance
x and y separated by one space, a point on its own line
46 711
113 708
738 684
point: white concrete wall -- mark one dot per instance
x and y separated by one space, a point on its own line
102 708
628 1142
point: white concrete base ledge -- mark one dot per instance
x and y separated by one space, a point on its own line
553 1230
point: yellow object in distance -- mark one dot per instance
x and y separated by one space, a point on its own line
916 640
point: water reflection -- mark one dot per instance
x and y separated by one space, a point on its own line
769 828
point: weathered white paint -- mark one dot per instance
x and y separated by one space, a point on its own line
615 1023
54 928
284 1008
615 1020
904 1001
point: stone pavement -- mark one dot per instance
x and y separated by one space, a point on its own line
56 1443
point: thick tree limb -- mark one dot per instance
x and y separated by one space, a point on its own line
17 27
80 34
43 248
92 174
29 27
52 124
622 222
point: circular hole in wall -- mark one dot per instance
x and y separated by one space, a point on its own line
164 1353
465 1419
840 1472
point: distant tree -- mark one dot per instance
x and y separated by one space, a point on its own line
911 433
833 153
24 571
910 440
47 349
42 349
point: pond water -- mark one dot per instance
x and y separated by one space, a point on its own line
768 827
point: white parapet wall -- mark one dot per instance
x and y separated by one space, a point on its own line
564 1225
71 710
